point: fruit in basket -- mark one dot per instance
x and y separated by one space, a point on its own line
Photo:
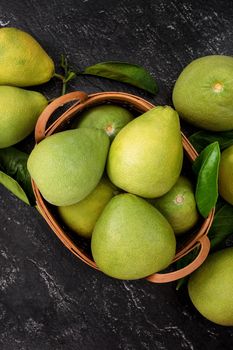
132 239
179 206
211 288
111 118
19 111
23 60
82 216
203 92
226 175
145 158
68 165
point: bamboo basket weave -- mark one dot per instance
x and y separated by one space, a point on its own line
78 101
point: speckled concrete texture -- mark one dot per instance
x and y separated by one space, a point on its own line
49 300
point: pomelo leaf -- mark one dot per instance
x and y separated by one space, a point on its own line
206 168
14 174
124 72
13 186
222 226
201 139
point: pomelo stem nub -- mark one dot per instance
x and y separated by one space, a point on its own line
109 130
218 87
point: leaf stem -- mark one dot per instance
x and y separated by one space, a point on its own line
68 74
59 76
63 91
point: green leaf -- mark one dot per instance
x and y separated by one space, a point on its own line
13 186
206 168
222 226
124 72
201 139
70 75
14 174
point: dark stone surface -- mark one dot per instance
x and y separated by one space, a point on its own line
49 300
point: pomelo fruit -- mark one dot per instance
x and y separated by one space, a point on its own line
211 288
19 110
68 165
179 206
111 118
203 92
146 156
82 216
23 61
132 239
226 175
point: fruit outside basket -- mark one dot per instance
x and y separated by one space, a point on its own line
78 101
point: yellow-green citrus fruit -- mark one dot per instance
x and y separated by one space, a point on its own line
132 239
23 60
211 288
82 216
68 165
203 93
226 175
111 118
146 156
179 206
19 110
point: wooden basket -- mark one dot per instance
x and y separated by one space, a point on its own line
80 101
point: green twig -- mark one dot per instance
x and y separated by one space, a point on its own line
67 76
59 76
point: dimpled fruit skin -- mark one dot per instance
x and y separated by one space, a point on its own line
110 118
226 175
211 288
195 97
82 216
23 60
131 239
146 157
68 165
179 206
19 111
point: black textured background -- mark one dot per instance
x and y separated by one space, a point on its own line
49 300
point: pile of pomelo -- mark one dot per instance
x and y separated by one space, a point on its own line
116 179
23 63
203 96
102 187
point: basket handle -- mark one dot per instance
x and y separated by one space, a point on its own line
40 129
185 271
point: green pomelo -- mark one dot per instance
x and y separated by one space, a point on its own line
23 60
131 239
203 93
68 165
82 216
226 175
19 111
110 118
146 157
211 288
179 206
